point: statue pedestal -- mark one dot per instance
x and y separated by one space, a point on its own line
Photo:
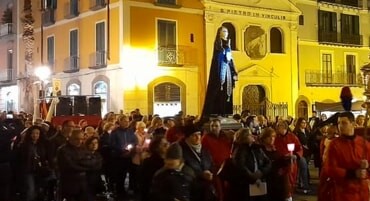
227 123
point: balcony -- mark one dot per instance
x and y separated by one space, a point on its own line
176 56
71 64
340 38
97 4
7 75
98 59
168 3
71 9
6 29
316 78
352 3
48 17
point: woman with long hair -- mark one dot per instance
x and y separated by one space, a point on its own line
34 162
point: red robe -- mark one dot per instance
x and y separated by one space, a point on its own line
219 147
281 145
345 155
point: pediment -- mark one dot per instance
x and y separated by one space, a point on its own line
255 70
277 5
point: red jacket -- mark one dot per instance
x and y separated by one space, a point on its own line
219 147
344 157
281 145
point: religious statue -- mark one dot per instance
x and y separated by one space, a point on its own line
222 77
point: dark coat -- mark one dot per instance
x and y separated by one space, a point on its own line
244 160
217 100
33 157
202 190
169 184
148 168
73 164
277 181
304 140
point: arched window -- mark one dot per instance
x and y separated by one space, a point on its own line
276 41
303 109
232 35
101 89
167 99
74 89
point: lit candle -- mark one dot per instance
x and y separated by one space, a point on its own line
291 147
129 147
147 141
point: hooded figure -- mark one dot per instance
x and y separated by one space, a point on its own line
222 77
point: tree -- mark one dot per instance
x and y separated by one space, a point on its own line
7 16
29 42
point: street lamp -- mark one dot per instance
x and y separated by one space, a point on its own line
43 73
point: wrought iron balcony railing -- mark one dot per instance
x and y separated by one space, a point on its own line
339 78
97 4
71 9
6 29
71 64
176 56
7 75
340 38
353 3
98 59
48 17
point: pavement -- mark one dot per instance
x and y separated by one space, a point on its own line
311 196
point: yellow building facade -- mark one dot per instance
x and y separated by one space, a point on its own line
156 54
334 44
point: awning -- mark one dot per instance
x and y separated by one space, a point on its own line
337 106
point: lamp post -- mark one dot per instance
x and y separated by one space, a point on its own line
42 73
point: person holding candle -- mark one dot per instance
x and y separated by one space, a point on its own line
123 140
283 138
278 179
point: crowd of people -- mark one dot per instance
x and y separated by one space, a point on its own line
175 159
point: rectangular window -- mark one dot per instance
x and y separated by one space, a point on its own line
50 51
350 24
9 64
73 7
50 4
327 21
167 47
327 68
100 36
301 20
351 69
10 59
73 48
100 55
172 2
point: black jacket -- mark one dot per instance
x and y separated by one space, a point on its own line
244 157
148 168
202 190
169 184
